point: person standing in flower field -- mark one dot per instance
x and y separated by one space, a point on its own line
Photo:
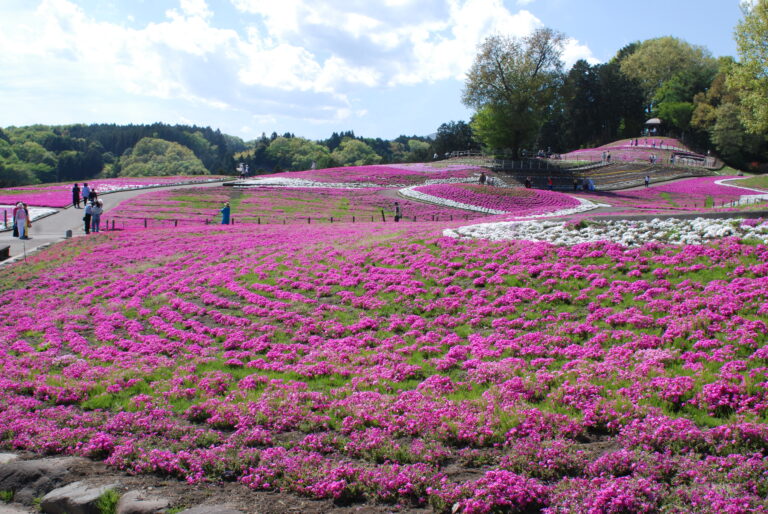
482 178
76 196
21 220
87 216
225 214
96 212
398 212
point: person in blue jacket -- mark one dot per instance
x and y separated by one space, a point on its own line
225 214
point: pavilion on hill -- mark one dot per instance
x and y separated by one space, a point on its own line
653 127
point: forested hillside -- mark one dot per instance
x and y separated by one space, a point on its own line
42 153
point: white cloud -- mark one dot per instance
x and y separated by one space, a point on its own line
291 58
573 51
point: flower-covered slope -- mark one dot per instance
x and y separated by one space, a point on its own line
364 364
60 195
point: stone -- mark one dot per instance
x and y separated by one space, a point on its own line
75 498
138 502
211 509
5 458
12 509
30 479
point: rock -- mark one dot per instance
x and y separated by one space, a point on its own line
5 458
75 498
211 509
11 509
138 502
31 479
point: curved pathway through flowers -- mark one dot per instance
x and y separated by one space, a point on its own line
53 228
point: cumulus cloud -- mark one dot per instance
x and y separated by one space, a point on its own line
302 58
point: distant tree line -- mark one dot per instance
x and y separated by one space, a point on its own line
71 153
524 99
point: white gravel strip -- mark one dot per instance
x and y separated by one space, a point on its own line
628 233
744 199
34 213
410 192
303 183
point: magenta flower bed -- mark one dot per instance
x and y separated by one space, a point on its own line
512 200
689 194
360 364
60 195
386 175
270 205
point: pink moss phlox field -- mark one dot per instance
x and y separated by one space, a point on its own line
690 194
625 150
514 200
60 195
366 363
271 205
383 175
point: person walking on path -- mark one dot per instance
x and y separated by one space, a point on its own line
96 212
225 214
92 195
86 191
21 220
398 212
87 216
550 183
76 196
647 180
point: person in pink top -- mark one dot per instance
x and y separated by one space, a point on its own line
21 220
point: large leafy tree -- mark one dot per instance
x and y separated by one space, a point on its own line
353 152
157 157
657 61
453 136
512 85
750 75
297 153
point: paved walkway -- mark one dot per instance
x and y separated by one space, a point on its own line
53 228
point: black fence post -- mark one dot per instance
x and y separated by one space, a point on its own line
145 222
353 219
382 216
308 220
175 223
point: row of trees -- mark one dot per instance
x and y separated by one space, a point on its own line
41 153
288 152
524 99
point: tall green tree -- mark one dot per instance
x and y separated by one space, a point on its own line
511 85
297 153
157 157
750 75
670 69
453 136
353 152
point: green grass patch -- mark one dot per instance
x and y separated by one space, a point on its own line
107 502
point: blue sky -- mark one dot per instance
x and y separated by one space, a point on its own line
379 67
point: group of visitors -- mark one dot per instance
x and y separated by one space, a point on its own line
88 195
92 205
21 221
